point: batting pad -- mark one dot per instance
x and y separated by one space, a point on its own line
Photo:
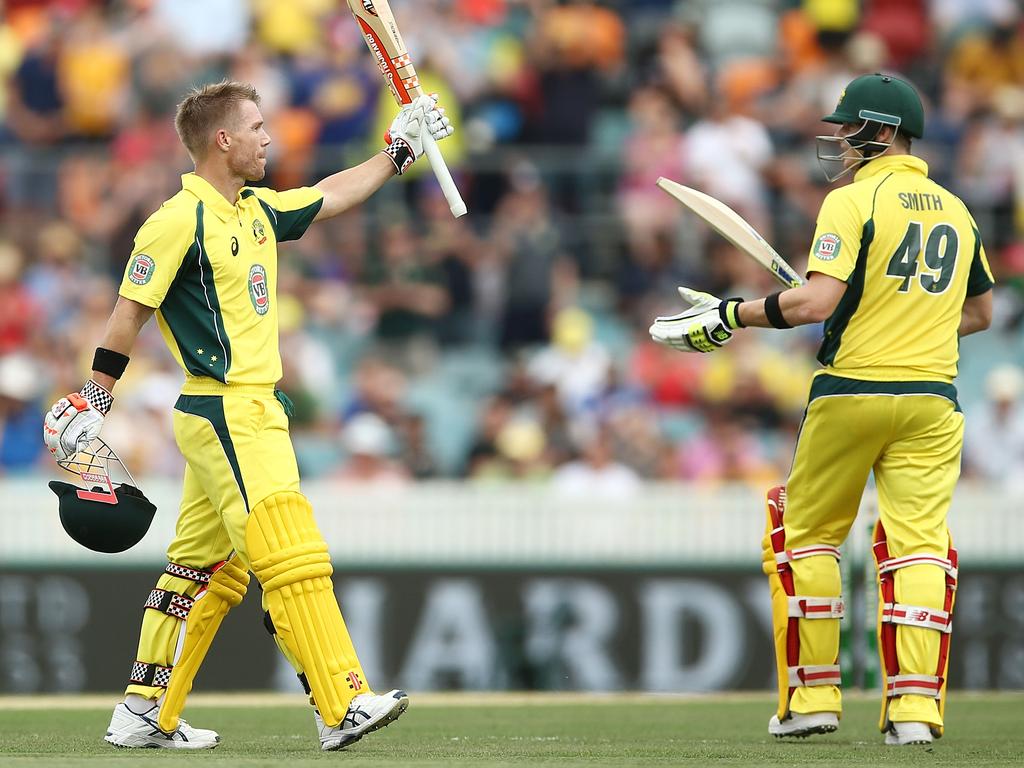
805 589
225 590
289 557
915 610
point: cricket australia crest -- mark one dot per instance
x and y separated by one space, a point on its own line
259 233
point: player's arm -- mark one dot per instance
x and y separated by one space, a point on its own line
75 421
161 243
348 188
123 328
710 321
813 302
976 314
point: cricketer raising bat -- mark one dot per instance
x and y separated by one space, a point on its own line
385 43
734 228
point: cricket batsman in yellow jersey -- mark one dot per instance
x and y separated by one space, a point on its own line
897 272
206 264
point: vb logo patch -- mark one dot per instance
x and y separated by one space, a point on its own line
827 247
259 294
142 268
258 232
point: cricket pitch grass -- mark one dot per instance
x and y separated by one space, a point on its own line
540 730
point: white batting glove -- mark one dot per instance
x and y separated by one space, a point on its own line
438 123
405 136
75 421
706 326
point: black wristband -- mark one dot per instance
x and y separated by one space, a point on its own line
109 362
773 311
401 154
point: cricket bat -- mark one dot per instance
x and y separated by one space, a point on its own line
382 37
734 228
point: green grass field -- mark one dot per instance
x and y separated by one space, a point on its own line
496 730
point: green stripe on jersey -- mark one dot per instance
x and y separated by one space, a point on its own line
978 281
192 312
211 408
288 225
850 301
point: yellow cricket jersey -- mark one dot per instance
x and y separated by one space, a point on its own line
910 253
210 270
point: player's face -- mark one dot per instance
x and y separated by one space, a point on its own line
247 155
852 155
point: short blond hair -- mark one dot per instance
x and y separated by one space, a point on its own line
206 108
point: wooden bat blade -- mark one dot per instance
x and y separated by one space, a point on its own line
734 228
380 32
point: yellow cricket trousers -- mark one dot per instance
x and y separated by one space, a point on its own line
237 452
910 434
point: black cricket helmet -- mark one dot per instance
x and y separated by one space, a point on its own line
103 516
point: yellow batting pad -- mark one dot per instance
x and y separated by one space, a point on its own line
806 608
289 557
226 589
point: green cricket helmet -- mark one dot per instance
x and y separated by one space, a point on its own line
103 517
872 102
881 98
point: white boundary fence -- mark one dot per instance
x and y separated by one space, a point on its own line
496 525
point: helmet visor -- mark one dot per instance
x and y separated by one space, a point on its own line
843 153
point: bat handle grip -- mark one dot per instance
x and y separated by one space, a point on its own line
444 176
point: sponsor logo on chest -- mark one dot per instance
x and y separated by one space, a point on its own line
259 293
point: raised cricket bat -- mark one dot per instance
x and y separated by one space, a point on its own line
734 228
385 43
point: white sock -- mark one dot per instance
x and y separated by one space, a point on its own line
138 704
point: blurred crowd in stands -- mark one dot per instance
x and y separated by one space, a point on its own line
511 343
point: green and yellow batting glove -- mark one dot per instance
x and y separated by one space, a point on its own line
706 326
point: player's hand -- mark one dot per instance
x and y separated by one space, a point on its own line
405 136
75 421
706 326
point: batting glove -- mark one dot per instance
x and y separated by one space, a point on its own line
405 136
75 421
706 326
438 123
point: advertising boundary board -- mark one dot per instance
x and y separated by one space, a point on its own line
477 628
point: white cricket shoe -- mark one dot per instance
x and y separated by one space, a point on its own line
902 734
128 729
800 725
366 713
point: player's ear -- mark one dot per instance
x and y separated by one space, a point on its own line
223 140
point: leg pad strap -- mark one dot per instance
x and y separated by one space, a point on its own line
150 674
172 603
817 607
816 674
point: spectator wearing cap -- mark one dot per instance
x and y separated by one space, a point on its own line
994 438
370 443
21 443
